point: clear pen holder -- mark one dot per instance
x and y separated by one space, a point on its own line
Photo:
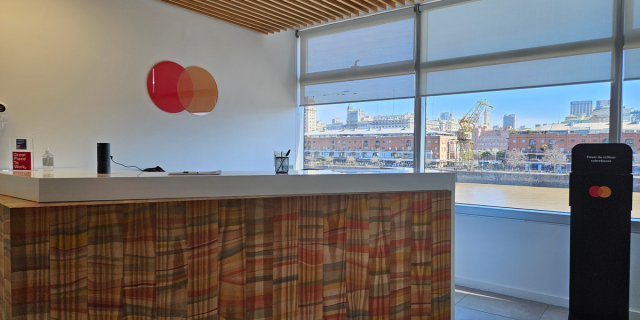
282 164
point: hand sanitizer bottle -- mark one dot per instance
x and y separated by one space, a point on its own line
47 161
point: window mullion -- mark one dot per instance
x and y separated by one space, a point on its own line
418 113
615 112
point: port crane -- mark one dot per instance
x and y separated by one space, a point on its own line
464 144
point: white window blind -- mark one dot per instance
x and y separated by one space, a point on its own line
632 40
361 60
505 44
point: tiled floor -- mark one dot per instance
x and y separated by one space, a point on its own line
472 304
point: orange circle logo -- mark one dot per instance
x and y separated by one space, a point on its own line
600 192
174 89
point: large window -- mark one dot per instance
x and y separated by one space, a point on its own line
529 86
357 83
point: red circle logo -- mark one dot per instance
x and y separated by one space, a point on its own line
174 89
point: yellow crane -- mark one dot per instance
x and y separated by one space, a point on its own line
465 144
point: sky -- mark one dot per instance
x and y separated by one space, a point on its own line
531 106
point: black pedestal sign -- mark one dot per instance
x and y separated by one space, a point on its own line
601 187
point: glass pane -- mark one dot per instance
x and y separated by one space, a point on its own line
488 26
632 64
518 151
360 60
563 70
360 90
359 135
377 44
631 133
483 45
636 15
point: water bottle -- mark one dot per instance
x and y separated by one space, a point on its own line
47 161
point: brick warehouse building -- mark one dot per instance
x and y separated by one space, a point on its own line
532 143
381 143
486 138
567 136
359 140
392 144
439 147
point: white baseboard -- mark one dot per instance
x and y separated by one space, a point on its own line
522 294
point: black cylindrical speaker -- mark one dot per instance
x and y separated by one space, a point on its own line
104 158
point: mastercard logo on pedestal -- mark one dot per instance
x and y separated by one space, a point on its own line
600 192
174 89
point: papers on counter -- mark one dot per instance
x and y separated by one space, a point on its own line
196 173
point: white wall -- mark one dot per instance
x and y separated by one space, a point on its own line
73 73
523 259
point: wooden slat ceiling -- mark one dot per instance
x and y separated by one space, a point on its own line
269 16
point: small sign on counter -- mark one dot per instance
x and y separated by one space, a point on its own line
21 144
22 154
22 160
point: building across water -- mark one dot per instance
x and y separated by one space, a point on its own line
381 144
509 120
485 138
578 107
565 136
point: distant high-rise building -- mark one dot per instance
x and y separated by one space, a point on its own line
385 122
310 121
601 114
442 125
626 114
578 107
602 103
509 120
446 116
353 116
486 117
335 124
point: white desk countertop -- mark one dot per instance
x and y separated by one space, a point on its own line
84 184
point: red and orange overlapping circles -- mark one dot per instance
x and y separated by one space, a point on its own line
600 192
174 89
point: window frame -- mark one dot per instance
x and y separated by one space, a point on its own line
525 215
615 117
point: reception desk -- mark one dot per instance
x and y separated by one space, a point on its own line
243 245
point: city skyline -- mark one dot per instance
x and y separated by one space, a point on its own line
532 106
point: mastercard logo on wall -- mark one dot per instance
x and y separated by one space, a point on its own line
174 89
600 192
